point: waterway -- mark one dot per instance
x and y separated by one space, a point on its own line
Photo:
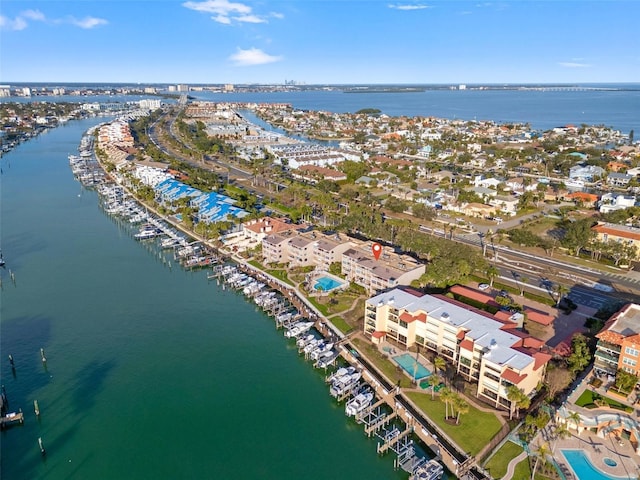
151 372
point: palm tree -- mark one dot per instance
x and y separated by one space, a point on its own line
561 433
446 396
462 406
517 398
575 418
434 379
492 272
561 290
542 452
439 364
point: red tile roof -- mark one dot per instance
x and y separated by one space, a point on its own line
467 344
378 334
513 377
538 317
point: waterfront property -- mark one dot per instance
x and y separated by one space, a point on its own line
481 348
619 342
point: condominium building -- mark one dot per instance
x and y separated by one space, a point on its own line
611 232
388 271
301 249
619 342
481 348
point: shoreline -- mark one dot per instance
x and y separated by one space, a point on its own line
430 436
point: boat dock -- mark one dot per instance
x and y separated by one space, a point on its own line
11 418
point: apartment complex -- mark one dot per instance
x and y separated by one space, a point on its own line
388 271
301 249
611 232
481 348
619 342
358 264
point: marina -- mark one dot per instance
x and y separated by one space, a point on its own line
165 339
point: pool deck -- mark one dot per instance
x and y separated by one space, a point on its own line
596 449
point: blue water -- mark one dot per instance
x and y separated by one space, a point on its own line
152 372
618 107
583 468
408 364
326 284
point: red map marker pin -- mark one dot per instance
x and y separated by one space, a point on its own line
376 248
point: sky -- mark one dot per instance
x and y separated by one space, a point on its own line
320 41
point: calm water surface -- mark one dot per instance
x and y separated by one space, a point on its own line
152 372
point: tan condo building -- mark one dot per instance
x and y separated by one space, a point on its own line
481 348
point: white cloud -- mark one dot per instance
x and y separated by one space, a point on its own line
573 65
88 22
227 12
8 24
36 15
409 7
252 56
20 22
250 19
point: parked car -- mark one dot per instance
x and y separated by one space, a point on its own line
483 286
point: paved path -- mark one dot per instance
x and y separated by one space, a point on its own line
512 465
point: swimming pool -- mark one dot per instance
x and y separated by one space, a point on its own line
583 468
326 284
408 363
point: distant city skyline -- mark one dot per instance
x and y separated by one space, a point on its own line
320 42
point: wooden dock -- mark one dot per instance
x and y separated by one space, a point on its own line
11 418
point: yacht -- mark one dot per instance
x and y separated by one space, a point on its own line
147 232
298 329
358 403
320 350
302 341
432 470
344 384
341 372
327 359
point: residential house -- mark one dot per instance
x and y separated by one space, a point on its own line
613 201
586 199
508 205
586 173
619 179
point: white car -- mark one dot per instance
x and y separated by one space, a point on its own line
483 286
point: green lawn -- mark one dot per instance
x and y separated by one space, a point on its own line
497 465
476 428
523 472
341 324
587 400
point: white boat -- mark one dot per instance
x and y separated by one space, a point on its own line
327 359
358 403
343 385
311 345
341 372
147 233
302 341
320 350
432 470
298 329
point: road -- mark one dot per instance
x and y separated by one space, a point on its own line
539 274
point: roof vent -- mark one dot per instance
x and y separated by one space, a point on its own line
390 301
444 316
493 343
